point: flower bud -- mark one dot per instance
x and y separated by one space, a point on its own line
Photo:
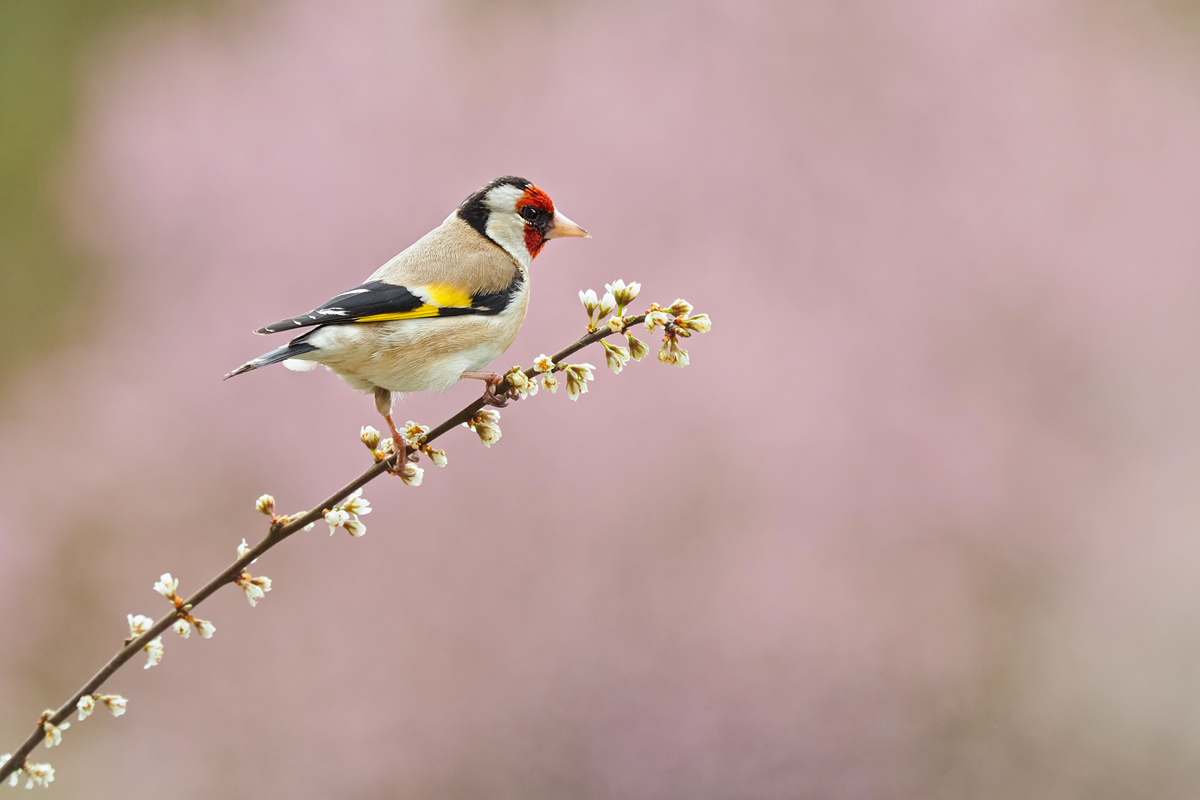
489 433
438 457
265 505
622 293
608 304
590 303
370 437
699 323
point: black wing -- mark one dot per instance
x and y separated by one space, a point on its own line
379 301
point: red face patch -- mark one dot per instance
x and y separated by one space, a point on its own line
535 231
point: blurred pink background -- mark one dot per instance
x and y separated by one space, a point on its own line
920 521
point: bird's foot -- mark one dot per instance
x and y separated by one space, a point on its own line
492 381
403 457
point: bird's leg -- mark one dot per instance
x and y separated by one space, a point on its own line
383 404
492 380
401 445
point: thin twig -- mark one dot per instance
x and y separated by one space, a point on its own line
276 534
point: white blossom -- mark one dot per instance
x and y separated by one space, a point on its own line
355 528
39 775
52 732
699 323
608 304
154 652
182 627
114 702
680 308
520 383
672 353
590 303
412 475
254 587
615 357
205 628
516 379
415 432
167 585
656 317
369 436
336 519
577 377
265 505
584 371
543 363
86 705
489 433
551 383
485 424
637 348
616 324
138 624
438 457
356 504
253 592
624 294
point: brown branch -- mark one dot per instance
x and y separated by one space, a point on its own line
276 534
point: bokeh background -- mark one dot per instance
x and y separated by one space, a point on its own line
921 520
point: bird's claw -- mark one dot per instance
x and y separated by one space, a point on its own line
494 399
401 464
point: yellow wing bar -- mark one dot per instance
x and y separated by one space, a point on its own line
439 295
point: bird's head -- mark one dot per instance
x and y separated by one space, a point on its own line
517 216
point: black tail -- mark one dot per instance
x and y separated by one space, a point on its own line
296 347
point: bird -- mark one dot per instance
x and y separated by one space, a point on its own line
438 312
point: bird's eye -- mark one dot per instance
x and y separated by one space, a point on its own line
530 213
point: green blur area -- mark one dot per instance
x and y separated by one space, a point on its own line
45 287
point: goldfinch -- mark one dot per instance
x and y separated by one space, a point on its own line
439 311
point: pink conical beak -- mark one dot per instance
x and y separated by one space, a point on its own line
564 227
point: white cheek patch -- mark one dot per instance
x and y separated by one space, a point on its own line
505 227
